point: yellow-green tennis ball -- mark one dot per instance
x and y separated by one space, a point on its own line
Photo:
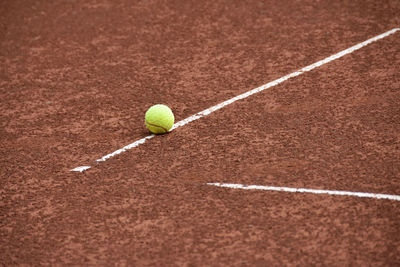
159 119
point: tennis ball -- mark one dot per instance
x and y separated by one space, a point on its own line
159 119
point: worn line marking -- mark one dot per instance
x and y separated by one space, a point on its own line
305 190
246 94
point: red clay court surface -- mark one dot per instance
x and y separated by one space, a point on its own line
76 78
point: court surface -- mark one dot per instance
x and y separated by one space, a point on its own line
286 149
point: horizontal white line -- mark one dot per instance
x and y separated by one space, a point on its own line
304 190
248 93
81 169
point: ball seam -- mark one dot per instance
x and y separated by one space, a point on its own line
156 126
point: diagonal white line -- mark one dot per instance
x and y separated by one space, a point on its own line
305 190
246 94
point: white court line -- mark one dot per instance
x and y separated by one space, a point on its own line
244 95
304 190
